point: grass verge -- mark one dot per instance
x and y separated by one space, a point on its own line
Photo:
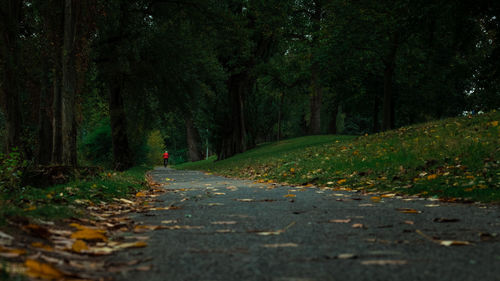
455 159
65 200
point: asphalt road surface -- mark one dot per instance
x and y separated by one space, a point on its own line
227 229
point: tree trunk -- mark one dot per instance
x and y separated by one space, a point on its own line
388 102
193 140
315 101
57 115
69 84
122 158
376 106
44 150
9 57
235 135
280 114
332 128
316 87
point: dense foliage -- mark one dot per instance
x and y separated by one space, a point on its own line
115 82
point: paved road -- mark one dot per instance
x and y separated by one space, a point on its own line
252 232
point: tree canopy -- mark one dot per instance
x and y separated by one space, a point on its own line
101 82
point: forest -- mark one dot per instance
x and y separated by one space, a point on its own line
115 83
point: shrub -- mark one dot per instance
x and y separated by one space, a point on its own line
97 147
12 167
156 148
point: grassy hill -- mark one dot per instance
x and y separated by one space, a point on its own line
454 159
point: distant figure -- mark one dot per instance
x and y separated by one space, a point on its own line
165 158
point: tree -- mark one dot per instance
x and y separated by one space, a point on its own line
11 12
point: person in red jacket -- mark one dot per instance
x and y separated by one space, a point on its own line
165 158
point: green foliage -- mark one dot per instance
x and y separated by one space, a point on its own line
96 146
452 158
156 147
12 167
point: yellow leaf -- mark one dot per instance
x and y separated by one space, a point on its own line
89 235
409 211
493 123
292 170
341 181
431 177
290 195
79 246
375 199
140 194
40 245
42 270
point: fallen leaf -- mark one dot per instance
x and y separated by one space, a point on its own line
144 268
215 204
139 244
79 246
277 232
40 245
5 239
42 270
280 245
340 221
89 235
358 225
431 205
409 222
408 211
388 195
245 200
384 262
140 194
346 256
223 222
375 199
448 243
169 221
443 220
219 193
431 177
290 195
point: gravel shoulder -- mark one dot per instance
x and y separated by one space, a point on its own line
228 229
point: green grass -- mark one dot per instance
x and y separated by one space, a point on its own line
66 200
456 158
